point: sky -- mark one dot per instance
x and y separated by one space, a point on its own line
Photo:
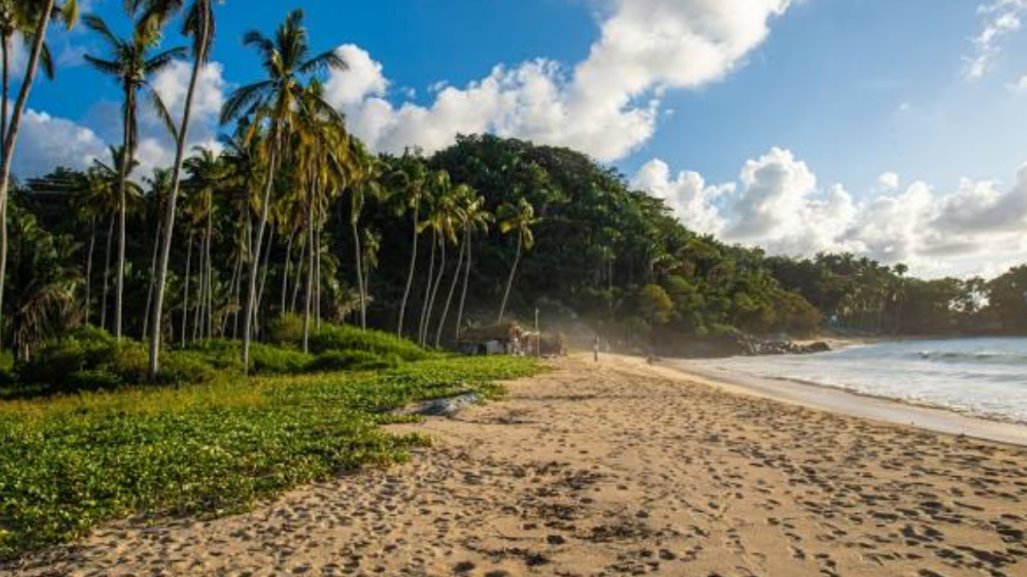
896 130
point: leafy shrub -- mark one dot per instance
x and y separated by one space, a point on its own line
347 338
184 368
286 330
7 375
83 349
93 380
219 354
268 360
130 361
351 361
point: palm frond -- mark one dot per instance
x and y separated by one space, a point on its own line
243 99
330 60
160 61
97 24
163 114
46 61
108 67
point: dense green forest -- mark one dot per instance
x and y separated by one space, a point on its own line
293 218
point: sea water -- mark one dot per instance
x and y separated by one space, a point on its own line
986 377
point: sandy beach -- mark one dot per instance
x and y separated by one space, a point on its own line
619 469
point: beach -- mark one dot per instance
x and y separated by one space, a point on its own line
619 468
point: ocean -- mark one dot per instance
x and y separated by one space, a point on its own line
984 377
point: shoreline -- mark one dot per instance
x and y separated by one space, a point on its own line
853 404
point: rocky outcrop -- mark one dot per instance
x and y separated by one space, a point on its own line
743 345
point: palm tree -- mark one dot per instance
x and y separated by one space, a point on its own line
242 166
315 136
366 174
198 25
103 192
439 220
95 199
274 101
519 220
412 179
371 245
40 22
160 186
17 17
463 199
131 65
476 219
44 282
208 175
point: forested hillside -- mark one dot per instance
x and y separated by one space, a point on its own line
591 248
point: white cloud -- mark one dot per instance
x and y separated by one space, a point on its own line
1001 18
686 194
362 79
889 181
607 105
46 142
778 205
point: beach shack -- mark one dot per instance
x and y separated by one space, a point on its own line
502 339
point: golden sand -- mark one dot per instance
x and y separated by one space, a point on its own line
620 469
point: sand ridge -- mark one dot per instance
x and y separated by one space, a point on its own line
619 469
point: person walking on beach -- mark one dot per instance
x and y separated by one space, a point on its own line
595 347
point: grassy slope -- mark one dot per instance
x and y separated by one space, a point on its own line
69 463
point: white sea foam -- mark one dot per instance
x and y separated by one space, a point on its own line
986 377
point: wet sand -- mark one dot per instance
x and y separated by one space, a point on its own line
620 469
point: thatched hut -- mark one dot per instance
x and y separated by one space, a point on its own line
507 338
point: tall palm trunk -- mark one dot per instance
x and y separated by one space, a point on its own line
210 270
435 290
251 295
360 273
263 277
11 135
176 179
5 42
300 267
449 297
427 289
107 272
233 298
310 278
285 272
509 281
410 275
127 154
198 311
153 274
185 289
5 48
89 268
467 276
317 280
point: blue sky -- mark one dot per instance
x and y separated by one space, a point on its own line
757 120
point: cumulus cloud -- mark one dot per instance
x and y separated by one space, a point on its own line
47 141
686 194
607 105
778 205
888 181
1001 18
